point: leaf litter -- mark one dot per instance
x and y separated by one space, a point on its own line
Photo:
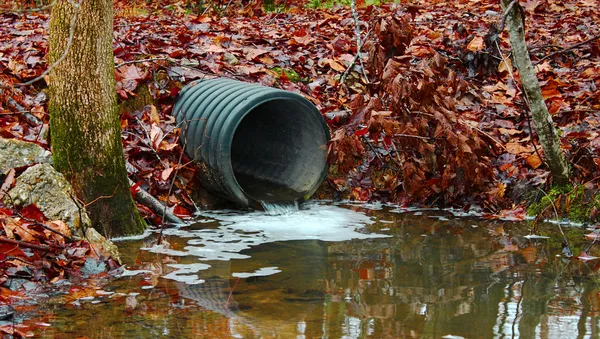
438 122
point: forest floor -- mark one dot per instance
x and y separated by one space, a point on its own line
429 112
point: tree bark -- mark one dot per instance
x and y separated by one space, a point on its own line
84 121
542 120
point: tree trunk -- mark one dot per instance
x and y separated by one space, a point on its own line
542 120
84 122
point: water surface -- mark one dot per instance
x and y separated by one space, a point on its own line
340 272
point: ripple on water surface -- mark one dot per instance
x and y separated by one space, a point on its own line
240 231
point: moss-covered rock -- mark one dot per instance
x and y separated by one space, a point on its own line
574 203
292 75
16 153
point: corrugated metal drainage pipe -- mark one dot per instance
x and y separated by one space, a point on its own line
253 143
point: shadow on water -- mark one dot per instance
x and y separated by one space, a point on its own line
434 276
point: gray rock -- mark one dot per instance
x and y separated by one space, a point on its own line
231 59
16 153
43 186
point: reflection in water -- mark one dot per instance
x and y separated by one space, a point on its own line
433 277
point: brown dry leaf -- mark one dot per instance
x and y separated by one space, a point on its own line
505 66
60 227
543 67
476 44
534 161
8 182
252 53
509 131
267 60
154 117
156 135
8 225
166 173
336 65
516 148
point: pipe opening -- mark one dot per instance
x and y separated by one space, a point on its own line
278 151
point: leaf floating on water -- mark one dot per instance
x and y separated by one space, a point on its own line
586 257
261 272
535 236
595 236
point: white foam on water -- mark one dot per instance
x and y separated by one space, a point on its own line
142 236
131 273
280 208
242 230
187 273
261 272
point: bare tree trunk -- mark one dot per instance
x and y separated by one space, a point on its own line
84 122
542 120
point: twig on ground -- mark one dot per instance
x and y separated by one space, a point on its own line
28 10
40 247
356 58
29 118
412 136
139 24
359 45
45 227
525 99
496 141
142 60
65 52
566 49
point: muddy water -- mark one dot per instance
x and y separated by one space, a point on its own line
340 272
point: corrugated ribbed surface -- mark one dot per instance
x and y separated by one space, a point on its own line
253 142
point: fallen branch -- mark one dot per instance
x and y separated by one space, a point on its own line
39 247
356 58
155 205
566 49
31 119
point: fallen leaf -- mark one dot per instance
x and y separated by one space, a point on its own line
476 44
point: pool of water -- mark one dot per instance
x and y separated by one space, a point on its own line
339 271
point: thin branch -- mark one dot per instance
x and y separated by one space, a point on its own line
25 244
557 218
65 52
139 24
505 16
142 60
568 48
85 205
412 136
29 10
45 227
525 100
359 45
491 137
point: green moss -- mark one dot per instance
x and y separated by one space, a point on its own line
570 202
290 73
142 99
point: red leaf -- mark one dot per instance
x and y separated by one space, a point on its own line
181 211
135 188
361 132
33 212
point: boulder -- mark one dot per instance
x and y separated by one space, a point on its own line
17 153
43 186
